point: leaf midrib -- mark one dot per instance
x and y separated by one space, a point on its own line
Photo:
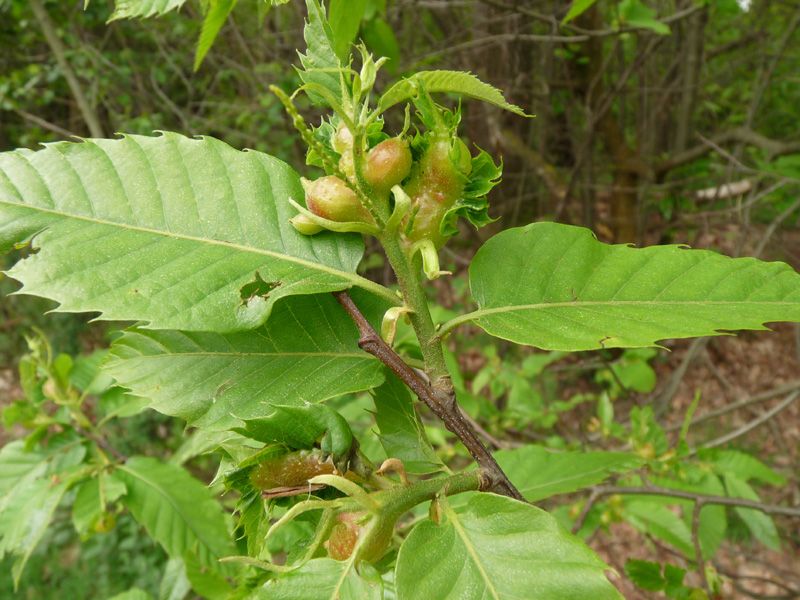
454 519
483 312
253 355
352 277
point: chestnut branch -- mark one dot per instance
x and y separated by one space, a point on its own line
443 405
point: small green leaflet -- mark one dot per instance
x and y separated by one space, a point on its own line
578 8
456 82
143 9
320 63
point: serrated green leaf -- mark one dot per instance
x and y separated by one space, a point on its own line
300 427
744 466
345 20
498 548
760 524
176 509
143 9
455 82
19 468
652 516
322 579
578 7
556 287
307 353
645 574
401 432
214 20
712 523
473 204
539 474
321 66
166 229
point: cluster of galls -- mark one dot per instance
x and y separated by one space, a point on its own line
346 525
434 184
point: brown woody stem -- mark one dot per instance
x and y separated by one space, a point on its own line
442 405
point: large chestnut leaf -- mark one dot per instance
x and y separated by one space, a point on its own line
307 353
498 548
166 229
556 287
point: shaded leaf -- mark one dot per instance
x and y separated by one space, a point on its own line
744 466
645 574
401 432
174 584
556 287
498 548
345 19
760 524
132 594
636 14
323 579
25 520
165 229
578 7
308 352
539 474
176 509
207 583
655 518
89 498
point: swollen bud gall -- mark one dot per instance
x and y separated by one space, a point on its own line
289 470
388 164
344 535
330 198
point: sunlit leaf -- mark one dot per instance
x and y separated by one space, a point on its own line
556 287
307 353
181 233
498 548
539 474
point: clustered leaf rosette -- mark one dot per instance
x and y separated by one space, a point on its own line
424 183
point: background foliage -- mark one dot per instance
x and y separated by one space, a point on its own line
645 111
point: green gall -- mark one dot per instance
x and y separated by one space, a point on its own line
330 198
387 164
